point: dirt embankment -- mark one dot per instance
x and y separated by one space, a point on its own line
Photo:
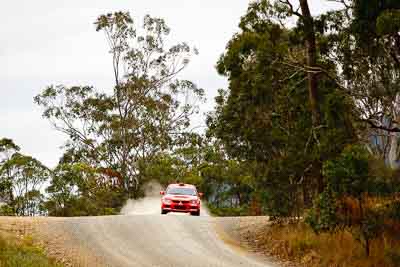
51 235
250 234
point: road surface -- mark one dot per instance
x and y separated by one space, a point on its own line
142 237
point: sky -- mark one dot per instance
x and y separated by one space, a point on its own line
51 42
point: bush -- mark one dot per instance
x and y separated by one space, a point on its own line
323 216
228 211
7 210
110 211
349 177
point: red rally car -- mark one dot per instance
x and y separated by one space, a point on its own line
181 198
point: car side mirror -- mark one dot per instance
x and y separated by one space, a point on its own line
162 193
201 195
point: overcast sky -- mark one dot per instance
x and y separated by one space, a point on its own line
47 42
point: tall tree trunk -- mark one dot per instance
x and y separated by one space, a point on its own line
308 21
10 189
393 155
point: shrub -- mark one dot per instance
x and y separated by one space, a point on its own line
344 201
228 211
323 217
7 210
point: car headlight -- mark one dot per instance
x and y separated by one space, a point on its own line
167 201
194 201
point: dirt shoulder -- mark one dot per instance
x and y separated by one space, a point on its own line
295 244
48 234
251 234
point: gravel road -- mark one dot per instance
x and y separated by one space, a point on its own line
142 237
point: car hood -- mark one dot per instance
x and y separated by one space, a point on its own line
180 197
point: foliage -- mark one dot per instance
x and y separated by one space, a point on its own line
323 217
265 116
364 44
21 181
166 169
7 210
79 190
348 175
146 113
344 202
226 183
311 112
228 211
7 149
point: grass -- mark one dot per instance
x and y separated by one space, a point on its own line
18 252
299 244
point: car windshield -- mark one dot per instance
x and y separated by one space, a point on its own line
181 191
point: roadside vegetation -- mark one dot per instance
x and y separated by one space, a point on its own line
17 252
297 243
307 131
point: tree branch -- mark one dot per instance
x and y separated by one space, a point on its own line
291 8
381 127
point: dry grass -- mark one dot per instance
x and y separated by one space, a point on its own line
22 251
299 244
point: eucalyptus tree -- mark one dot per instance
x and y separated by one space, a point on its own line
356 47
147 112
268 114
375 72
7 149
26 178
362 39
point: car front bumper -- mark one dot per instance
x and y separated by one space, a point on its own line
180 208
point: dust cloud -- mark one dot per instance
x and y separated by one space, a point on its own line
147 205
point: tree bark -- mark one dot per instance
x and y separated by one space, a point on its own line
393 156
393 151
310 42
308 21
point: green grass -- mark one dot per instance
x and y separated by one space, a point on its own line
22 253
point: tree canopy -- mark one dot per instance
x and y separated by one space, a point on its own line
147 112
